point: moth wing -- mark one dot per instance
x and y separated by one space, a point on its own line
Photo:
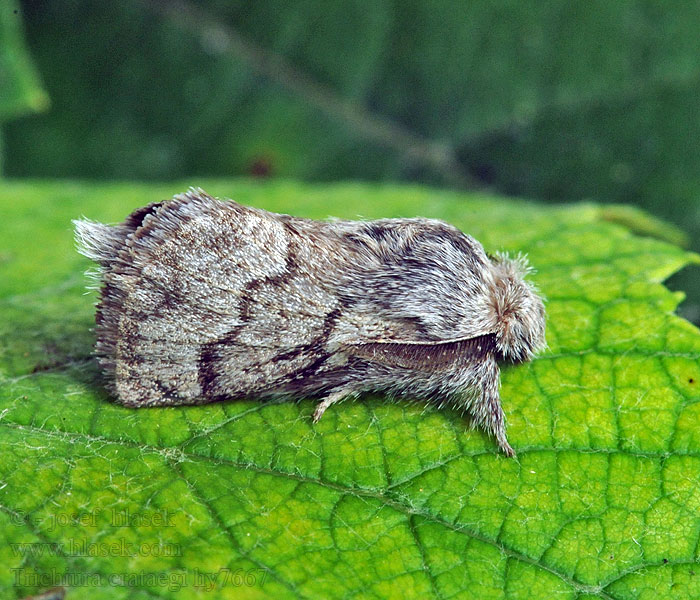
174 285
191 309
426 356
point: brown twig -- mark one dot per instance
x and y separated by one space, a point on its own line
413 147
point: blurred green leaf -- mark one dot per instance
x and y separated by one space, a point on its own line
604 92
380 499
20 90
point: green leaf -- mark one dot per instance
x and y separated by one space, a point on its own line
381 498
20 90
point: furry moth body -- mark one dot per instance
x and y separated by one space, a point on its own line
203 300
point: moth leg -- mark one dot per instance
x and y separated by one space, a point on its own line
328 400
499 430
491 413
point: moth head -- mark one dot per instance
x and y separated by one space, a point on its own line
519 315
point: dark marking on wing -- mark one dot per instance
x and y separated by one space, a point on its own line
210 355
378 232
135 219
247 299
426 356
316 345
292 250
248 294
207 366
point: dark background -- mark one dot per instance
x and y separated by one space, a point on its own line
554 101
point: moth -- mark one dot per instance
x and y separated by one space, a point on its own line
204 300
